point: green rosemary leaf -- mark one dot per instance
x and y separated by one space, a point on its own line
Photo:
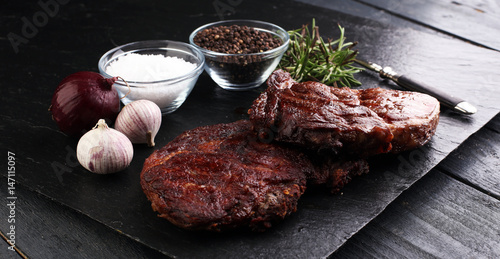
310 57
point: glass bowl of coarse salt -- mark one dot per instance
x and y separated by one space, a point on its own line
161 71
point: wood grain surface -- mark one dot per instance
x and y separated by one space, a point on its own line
475 21
45 229
439 217
447 214
68 211
479 165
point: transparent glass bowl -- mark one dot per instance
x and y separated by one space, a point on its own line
243 71
168 94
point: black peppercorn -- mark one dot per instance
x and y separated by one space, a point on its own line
237 39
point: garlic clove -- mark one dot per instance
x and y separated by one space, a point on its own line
139 121
103 150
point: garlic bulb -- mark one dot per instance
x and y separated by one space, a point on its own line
104 150
139 121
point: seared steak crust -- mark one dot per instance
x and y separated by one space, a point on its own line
412 117
221 177
236 175
334 172
362 122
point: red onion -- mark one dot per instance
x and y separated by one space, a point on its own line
81 99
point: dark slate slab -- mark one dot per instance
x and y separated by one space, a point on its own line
46 158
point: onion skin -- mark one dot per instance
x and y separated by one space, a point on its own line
81 99
103 150
140 121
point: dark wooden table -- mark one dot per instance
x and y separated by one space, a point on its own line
442 200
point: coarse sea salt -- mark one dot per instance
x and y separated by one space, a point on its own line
147 68
146 74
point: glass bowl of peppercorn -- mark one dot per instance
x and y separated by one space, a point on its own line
240 54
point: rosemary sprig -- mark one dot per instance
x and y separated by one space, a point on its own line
309 57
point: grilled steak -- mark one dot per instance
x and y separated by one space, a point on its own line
334 172
234 175
362 122
222 177
412 117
